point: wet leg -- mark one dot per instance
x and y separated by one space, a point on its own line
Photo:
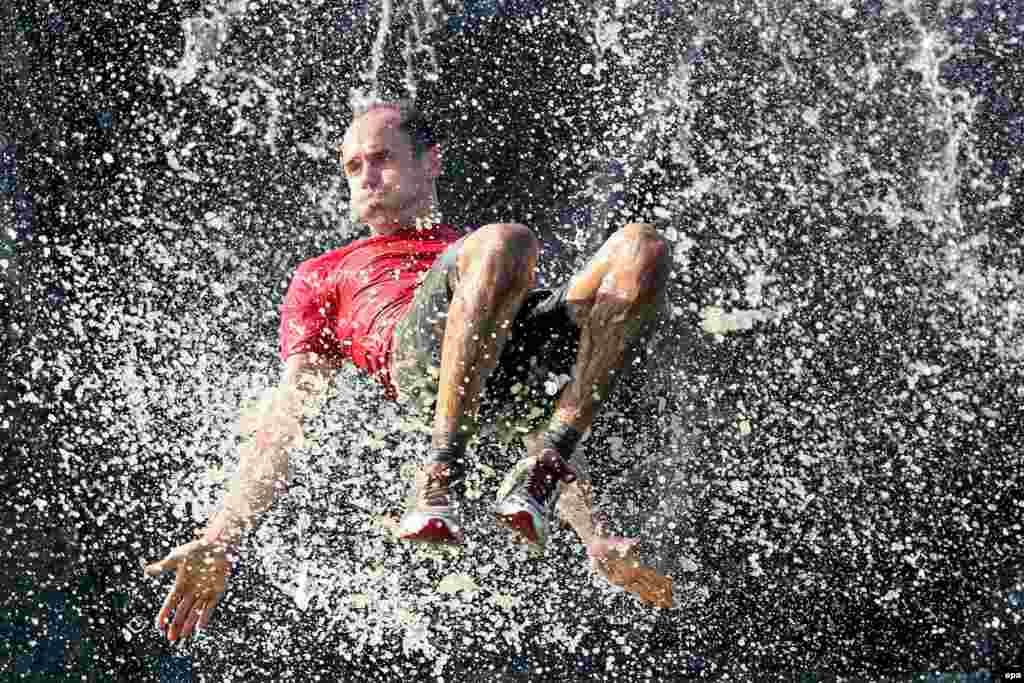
494 272
496 269
611 300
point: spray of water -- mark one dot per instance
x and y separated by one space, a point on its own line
839 314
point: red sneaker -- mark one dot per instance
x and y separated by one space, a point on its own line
528 495
431 519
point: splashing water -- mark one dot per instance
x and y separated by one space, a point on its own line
422 23
835 380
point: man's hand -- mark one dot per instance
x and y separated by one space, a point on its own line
202 568
614 558
617 560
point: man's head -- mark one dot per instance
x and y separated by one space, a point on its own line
390 157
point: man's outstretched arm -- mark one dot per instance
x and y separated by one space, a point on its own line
263 461
202 566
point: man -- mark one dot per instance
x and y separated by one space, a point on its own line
427 311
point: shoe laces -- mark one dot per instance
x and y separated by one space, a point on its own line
434 487
542 482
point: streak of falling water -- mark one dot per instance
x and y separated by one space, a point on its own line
417 40
369 76
949 155
949 123
422 24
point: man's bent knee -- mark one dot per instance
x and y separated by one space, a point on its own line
510 248
513 239
645 250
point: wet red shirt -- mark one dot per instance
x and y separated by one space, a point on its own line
346 303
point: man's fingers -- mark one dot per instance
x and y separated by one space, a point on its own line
165 612
200 578
651 587
211 604
173 558
622 572
181 615
193 617
629 574
160 567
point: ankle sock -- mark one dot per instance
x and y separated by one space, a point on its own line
452 453
561 437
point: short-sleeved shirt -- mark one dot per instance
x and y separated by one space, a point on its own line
345 304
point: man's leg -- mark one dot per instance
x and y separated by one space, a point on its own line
496 269
611 301
494 272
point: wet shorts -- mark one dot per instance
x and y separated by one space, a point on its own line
535 362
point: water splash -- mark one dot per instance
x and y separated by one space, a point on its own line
423 22
842 324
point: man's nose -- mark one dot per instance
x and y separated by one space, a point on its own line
369 177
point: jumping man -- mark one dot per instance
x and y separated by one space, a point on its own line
451 323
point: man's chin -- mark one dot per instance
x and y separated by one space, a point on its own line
385 228
383 219
372 216
382 225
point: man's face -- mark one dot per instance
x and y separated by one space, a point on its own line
389 185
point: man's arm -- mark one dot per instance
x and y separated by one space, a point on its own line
203 566
263 462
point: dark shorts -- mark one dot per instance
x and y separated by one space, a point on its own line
535 363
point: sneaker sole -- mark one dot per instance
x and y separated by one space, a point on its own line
521 525
520 522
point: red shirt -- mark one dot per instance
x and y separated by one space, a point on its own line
346 303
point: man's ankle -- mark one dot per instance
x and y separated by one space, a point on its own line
449 451
560 437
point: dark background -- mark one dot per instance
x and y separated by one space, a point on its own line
896 468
